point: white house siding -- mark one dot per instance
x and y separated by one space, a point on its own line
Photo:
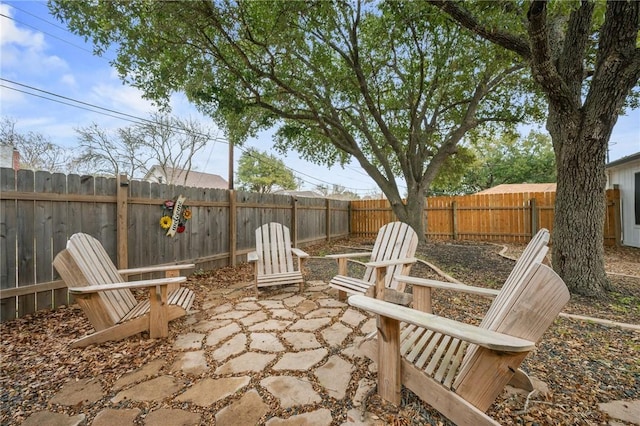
626 176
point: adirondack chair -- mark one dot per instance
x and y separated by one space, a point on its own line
457 368
392 254
273 258
534 252
106 298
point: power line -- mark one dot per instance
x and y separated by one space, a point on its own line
138 120
110 112
38 17
49 34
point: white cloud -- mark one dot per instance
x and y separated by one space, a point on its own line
68 79
10 34
121 98
24 50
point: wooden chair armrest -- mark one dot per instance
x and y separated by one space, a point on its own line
252 256
129 285
338 256
297 252
486 338
392 262
162 268
422 282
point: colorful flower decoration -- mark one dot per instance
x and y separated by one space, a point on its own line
165 222
175 216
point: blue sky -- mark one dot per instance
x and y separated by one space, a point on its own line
37 51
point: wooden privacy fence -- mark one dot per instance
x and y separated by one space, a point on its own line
39 211
487 217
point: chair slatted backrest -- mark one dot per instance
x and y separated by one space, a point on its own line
395 240
533 254
92 305
526 310
97 268
273 245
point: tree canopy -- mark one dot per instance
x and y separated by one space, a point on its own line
395 85
506 158
264 173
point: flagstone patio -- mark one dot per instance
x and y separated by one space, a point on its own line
284 357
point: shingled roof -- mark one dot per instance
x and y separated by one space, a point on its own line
194 179
511 188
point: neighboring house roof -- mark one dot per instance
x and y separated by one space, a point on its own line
309 194
194 179
511 188
624 160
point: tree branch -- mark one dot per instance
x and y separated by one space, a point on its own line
507 40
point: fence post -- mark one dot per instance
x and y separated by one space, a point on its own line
454 213
534 216
328 218
122 208
232 227
294 220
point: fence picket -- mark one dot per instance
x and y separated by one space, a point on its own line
38 212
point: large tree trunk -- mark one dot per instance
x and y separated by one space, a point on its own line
412 213
578 233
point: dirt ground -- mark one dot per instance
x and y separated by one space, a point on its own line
583 363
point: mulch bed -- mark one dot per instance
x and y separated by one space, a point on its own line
583 363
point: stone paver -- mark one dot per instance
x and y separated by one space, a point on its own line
369 326
354 418
151 390
209 325
336 334
223 333
293 301
283 314
320 417
310 324
300 360
266 342
171 417
335 376
110 417
79 392
232 315
53 419
193 362
271 304
330 302
627 411
250 305
237 344
189 341
353 317
305 307
364 387
324 312
250 361
291 391
208 391
301 340
146 371
246 411
271 324
253 318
